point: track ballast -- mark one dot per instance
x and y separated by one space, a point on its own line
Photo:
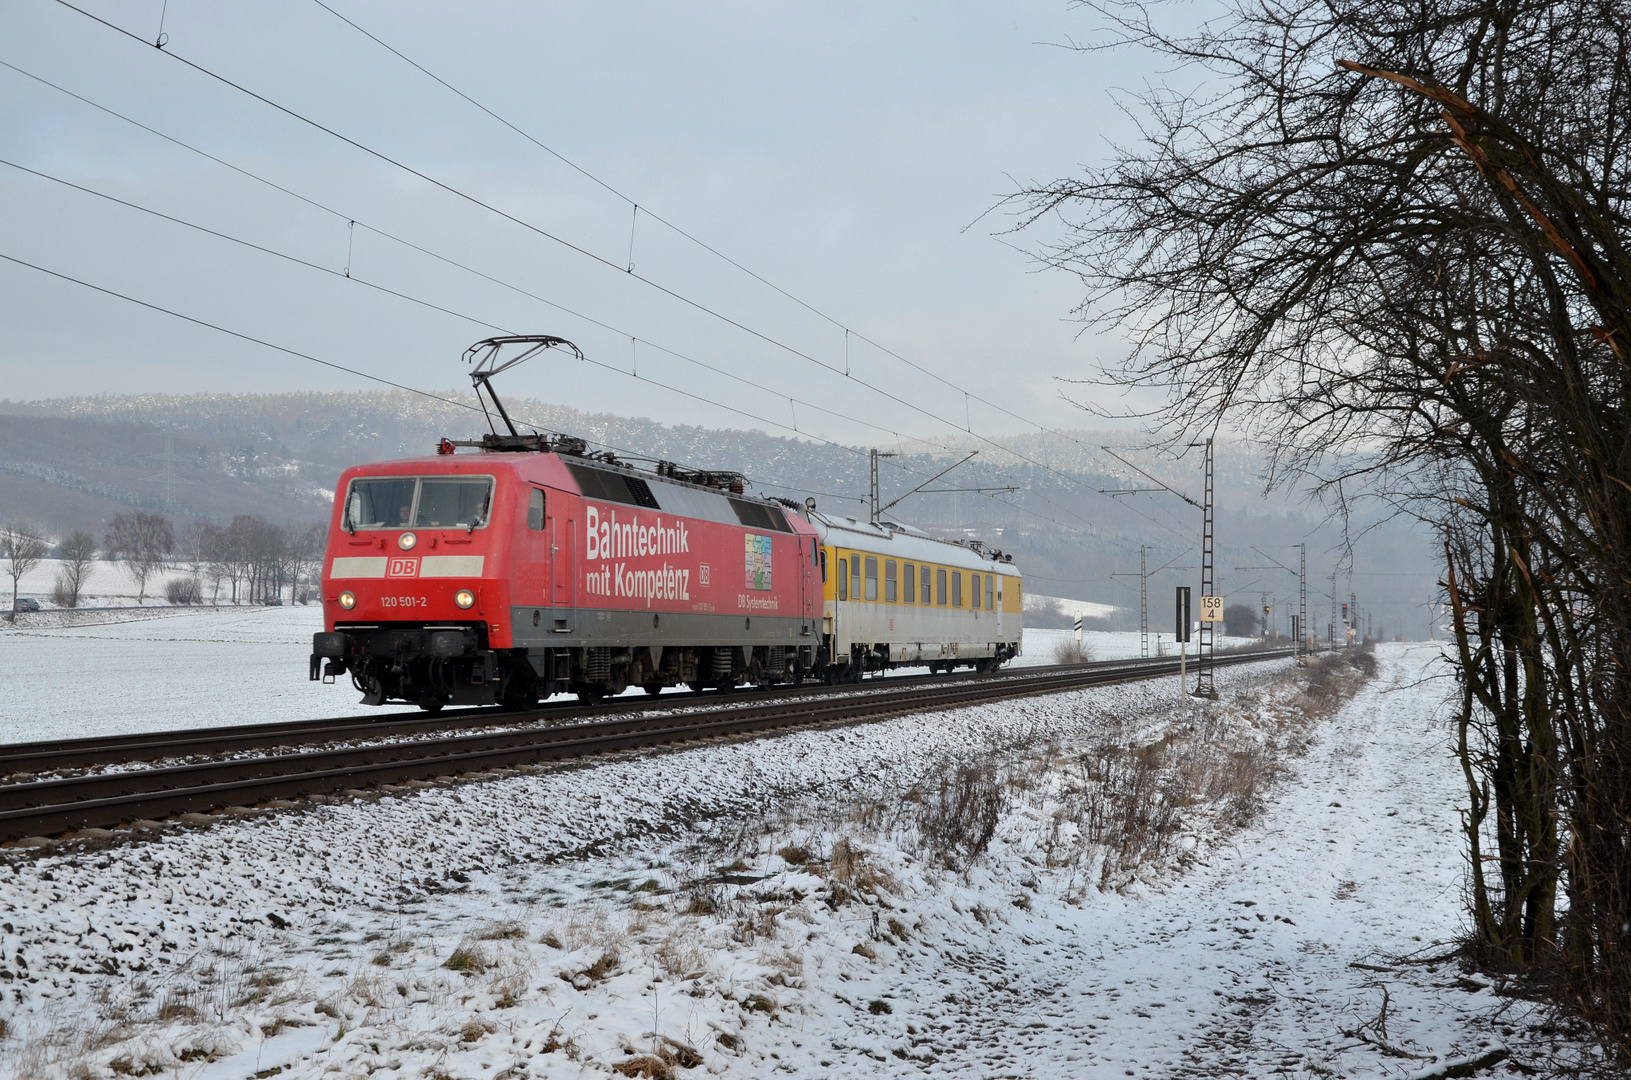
285 761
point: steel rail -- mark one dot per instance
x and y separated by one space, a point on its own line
26 759
101 800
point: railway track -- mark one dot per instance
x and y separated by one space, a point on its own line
445 746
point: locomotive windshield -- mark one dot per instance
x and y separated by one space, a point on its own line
432 502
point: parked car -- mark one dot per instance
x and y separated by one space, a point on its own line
25 603
273 601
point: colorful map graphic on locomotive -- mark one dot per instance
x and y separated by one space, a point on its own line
758 562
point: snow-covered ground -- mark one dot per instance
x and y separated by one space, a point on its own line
768 906
74 675
1114 645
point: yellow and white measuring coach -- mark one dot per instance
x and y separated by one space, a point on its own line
896 597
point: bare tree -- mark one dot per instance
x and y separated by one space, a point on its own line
78 564
22 547
141 541
1390 240
306 547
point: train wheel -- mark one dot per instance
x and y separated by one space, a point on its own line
431 705
653 688
589 697
695 687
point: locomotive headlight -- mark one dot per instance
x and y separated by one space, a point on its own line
464 598
406 541
348 600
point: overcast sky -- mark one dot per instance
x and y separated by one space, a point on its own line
839 151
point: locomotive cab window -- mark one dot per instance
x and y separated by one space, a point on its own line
535 510
453 502
889 581
403 502
821 559
939 587
871 578
843 579
909 587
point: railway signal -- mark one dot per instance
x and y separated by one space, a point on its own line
1181 636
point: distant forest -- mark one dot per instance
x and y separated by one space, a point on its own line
76 463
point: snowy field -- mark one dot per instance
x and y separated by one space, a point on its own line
761 907
77 674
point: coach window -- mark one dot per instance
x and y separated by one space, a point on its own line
940 587
911 584
843 580
854 576
535 510
923 576
990 598
956 588
871 578
974 601
889 581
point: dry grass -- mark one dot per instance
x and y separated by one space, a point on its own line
475 1029
507 930
852 871
468 960
681 953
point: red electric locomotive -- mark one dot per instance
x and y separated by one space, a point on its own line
532 567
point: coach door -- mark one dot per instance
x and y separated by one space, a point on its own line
999 605
807 561
563 546
532 570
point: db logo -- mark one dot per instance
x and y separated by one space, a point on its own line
402 568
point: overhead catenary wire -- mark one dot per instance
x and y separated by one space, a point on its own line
500 328
403 386
352 222
252 339
636 207
578 249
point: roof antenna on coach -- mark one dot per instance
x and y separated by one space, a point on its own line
485 355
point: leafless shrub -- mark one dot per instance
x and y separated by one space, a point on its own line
183 590
1072 650
959 814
